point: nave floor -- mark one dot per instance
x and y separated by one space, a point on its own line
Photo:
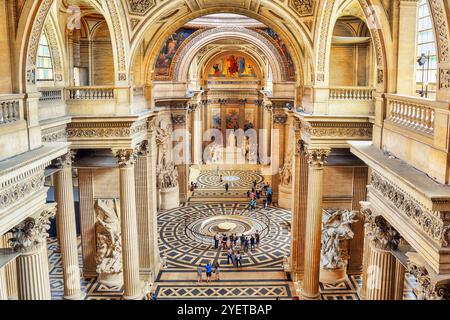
260 278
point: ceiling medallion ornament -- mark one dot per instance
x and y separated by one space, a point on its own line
140 7
302 7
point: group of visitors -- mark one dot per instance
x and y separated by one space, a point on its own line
232 241
209 269
263 192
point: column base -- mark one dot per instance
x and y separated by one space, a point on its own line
79 296
304 296
145 289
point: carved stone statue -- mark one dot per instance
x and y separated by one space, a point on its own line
109 243
336 229
167 176
286 173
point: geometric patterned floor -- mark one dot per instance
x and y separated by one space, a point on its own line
237 179
261 277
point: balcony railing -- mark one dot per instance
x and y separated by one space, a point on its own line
90 93
351 93
9 109
413 113
51 94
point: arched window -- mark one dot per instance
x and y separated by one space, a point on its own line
44 60
426 52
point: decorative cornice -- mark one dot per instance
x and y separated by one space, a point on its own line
54 134
14 193
432 225
338 129
105 130
31 234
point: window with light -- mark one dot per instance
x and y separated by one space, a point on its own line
426 52
44 60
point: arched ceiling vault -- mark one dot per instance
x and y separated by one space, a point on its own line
187 54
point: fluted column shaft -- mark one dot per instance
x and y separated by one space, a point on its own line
399 280
3 285
10 272
30 239
380 275
66 227
130 247
366 260
33 275
316 159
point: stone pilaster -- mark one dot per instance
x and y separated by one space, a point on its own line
316 160
3 285
197 136
400 271
130 248
66 227
146 209
381 269
182 155
366 215
30 239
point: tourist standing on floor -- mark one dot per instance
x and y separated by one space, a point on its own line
255 183
242 241
246 245
229 256
248 194
257 238
227 187
208 269
224 242
238 259
217 270
235 239
252 204
252 242
216 241
231 241
200 273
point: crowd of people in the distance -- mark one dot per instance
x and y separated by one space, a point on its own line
264 192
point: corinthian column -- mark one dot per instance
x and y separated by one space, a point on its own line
130 248
66 227
30 239
10 271
316 161
3 286
366 215
382 264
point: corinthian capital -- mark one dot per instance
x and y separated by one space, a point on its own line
31 233
317 156
143 149
382 235
65 161
126 157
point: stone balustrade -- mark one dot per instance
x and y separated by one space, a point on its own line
351 93
51 94
90 93
10 108
414 113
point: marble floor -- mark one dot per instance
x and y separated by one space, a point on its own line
261 277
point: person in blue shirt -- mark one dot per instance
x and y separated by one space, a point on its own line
208 269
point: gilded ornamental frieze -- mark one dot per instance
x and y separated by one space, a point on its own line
358 130
105 129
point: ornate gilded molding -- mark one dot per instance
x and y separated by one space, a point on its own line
105 129
338 130
54 134
280 118
126 157
140 7
302 7
178 119
432 225
31 234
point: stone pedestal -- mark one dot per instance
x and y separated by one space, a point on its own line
169 198
316 160
66 228
333 276
285 197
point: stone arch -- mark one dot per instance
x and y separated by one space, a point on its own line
380 34
284 25
59 57
188 52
